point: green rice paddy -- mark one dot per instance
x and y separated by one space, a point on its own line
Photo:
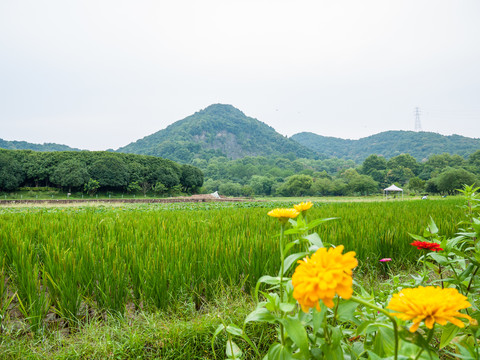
72 260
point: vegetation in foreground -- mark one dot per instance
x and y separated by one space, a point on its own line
117 343
318 313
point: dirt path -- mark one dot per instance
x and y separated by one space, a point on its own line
181 199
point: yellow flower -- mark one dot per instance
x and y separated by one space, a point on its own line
283 214
322 276
303 206
429 304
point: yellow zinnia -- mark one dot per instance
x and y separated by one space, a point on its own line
303 206
429 304
322 276
283 214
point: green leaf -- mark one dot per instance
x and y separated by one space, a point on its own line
292 259
266 279
346 310
373 356
261 315
234 330
414 338
442 260
363 326
332 352
410 351
215 334
318 317
417 237
314 239
384 340
232 350
314 223
432 227
448 334
466 273
337 334
287 247
298 334
287 307
279 352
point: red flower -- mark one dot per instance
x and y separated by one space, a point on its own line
425 245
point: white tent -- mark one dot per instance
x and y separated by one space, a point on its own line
392 188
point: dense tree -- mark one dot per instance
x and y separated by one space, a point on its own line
37 168
70 174
474 162
110 172
416 184
436 164
453 179
191 178
261 185
133 187
399 175
91 186
11 172
296 185
349 174
339 187
159 188
168 176
322 187
363 184
230 189
114 172
373 163
405 161
431 186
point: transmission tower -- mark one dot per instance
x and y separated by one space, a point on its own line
418 126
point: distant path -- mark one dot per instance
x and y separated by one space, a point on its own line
195 199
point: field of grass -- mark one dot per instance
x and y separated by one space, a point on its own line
74 266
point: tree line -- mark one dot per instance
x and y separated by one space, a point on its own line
288 176
269 176
91 171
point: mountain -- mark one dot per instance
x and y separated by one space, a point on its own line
389 144
23 145
218 130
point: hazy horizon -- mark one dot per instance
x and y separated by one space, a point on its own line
204 108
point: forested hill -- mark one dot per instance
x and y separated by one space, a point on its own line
218 130
23 145
389 144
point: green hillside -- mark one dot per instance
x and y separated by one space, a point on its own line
389 144
23 145
218 130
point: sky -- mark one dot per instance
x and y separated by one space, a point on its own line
98 75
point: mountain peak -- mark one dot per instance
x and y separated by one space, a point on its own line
221 108
217 130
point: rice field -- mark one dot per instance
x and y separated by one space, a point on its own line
75 260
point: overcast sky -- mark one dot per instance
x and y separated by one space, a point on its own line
101 74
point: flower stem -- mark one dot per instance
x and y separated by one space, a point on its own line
424 268
471 279
282 259
430 335
440 273
385 312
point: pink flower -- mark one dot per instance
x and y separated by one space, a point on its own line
385 260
